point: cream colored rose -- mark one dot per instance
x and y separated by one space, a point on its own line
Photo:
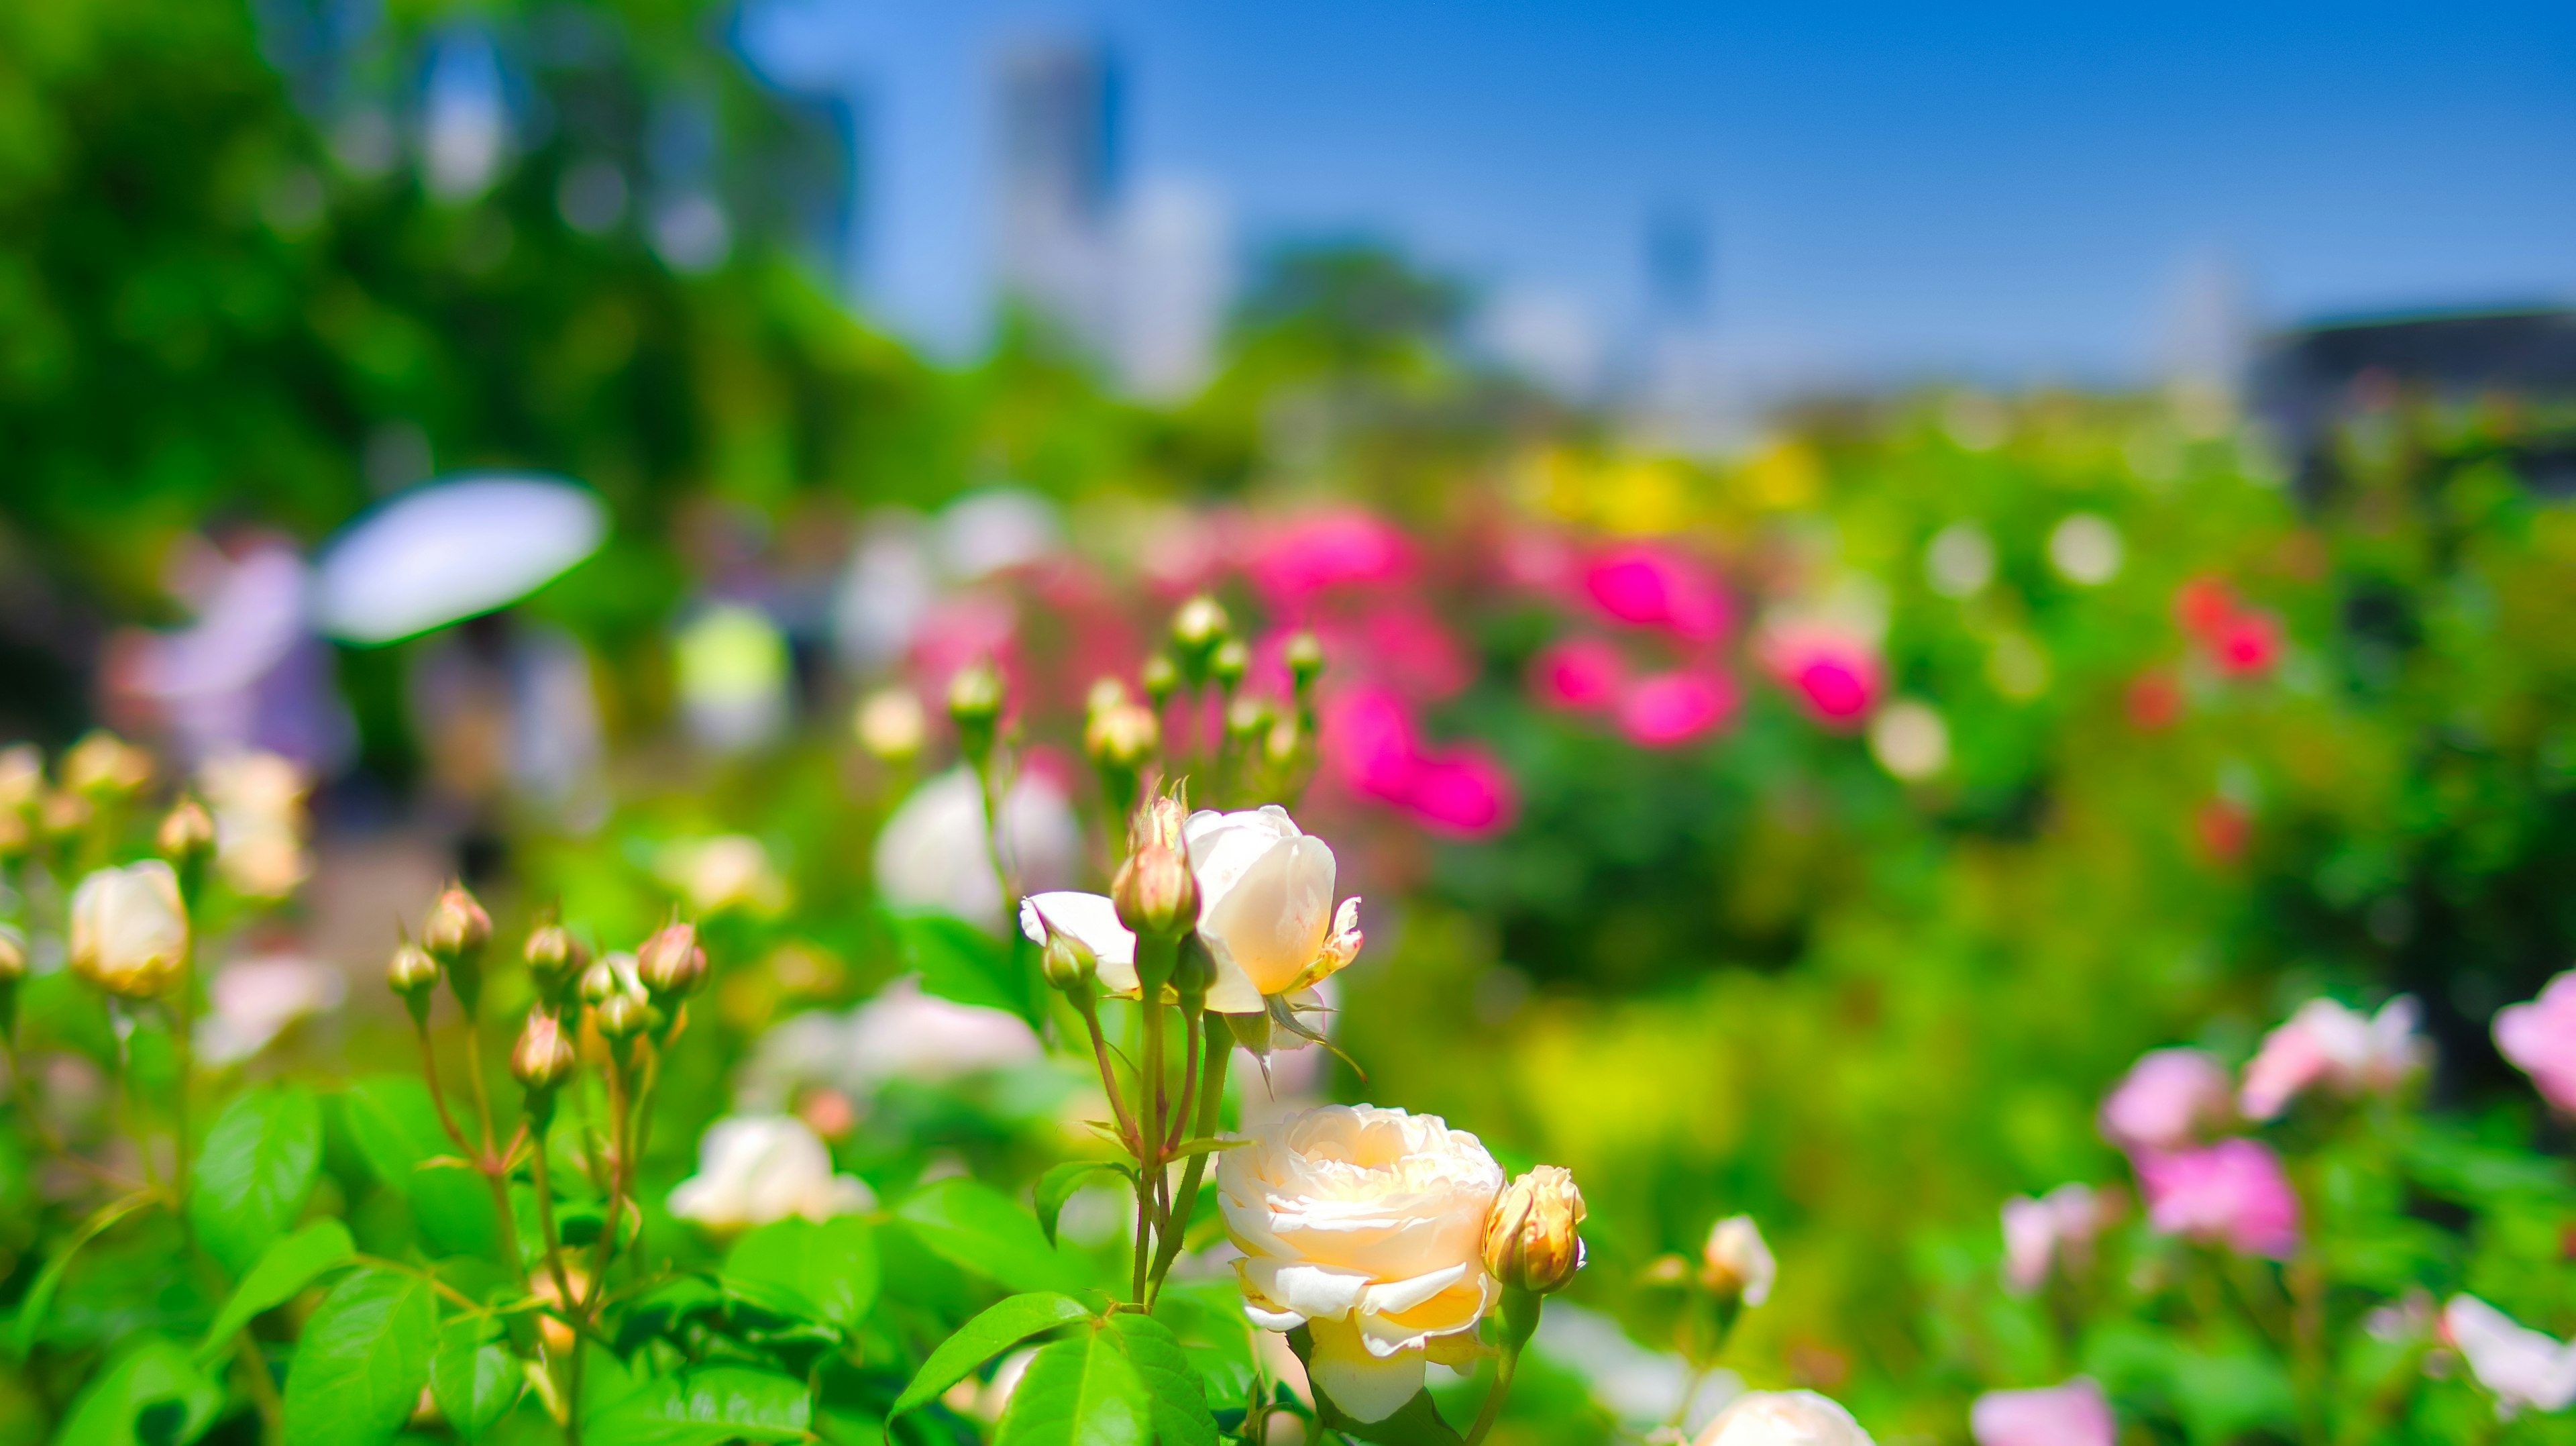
753 1169
1735 1261
1783 1418
1266 911
1367 1226
258 802
129 929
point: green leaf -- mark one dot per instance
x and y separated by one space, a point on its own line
980 1228
258 1165
1004 1325
1058 1184
1416 1423
40 1296
1207 1318
706 1406
153 1395
831 1265
1079 1392
474 1377
289 1266
1179 1406
364 1356
1206 1145
396 1127
958 961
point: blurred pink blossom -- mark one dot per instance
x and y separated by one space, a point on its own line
2074 1414
1674 708
1324 549
1403 644
2522 1366
2247 645
2056 1227
2344 1049
2165 1099
2233 1192
2540 1039
1835 674
1654 586
1462 790
1370 741
1579 673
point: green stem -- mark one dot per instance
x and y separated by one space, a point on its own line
1211 1103
564 1297
621 1177
1518 1320
1090 1008
1493 1406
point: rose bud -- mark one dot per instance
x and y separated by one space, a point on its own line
975 707
890 725
412 974
610 974
670 964
1530 1239
1122 737
1160 677
129 929
555 958
543 1058
1155 892
456 924
622 1016
1106 693
104 765
1228 664
1068 963
1246 718
1735 1264
1304 655
187 833
1197 629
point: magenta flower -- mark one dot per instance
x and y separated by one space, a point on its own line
1325 549
2540 1039
1580 674
1653 586
2232 1193
1370 742
2074 1414
1462 791
2166 1099
1834 673
2344 1049
1674 708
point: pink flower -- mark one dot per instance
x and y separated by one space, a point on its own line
2165 1099
2247 645
1834 674
1653 586
2325 1043
2204 604
2059 1225
1579 673
2540 1039
1674 708
2074 1414
1461 791
1402 644
1370 742
2233 1192
1321 550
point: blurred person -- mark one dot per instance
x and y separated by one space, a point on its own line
250 673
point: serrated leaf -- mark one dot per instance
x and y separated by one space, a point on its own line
997 1329
830 1265
255 1172
39 1298
978 1227
1079 1392
1058 1184
396 1127
473 1376
1179 1404
707 1406
153 1395
290 1265
363 1358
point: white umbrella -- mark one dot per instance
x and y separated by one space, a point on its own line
452 550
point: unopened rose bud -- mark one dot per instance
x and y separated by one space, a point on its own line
1199 626
129 932
622 1016
543 1058
411 973
609 974
1160 677
1123 736
1304 656
456 924
975 707
1530 1239
1068 963
1229 663
890 724
1736 1264
187 833
670 965
105 766
555 958
1155 892
1106 693
1245 718
1284 743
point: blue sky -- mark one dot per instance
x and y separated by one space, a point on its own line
2015 190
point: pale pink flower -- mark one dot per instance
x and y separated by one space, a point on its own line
2166 1099
2057 1226
1674 708
1579 674
2232 1193
2540 1039
2522 1366
2074 1414
1654 586
2343 1049
1345 545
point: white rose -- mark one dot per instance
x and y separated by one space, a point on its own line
932 854
1365 1225
2522 1366
1783 1418
753 1169
1265 911
1735 1258
129 929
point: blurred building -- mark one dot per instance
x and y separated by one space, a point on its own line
1679 390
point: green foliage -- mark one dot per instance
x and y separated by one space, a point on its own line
830 1266
282 1271
997 1328
362 1360
151 1394
978 1228
257 1167
1084 1390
